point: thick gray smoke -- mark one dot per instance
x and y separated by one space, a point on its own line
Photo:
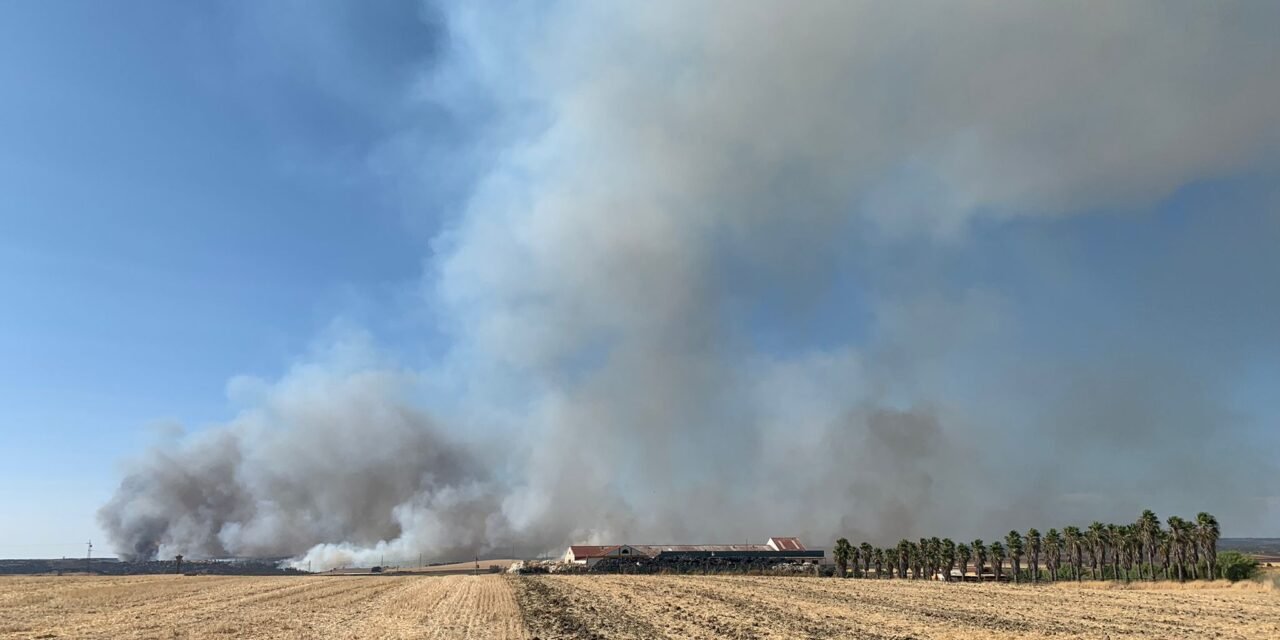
711 295
334 452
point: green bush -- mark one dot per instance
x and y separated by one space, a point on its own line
1236 566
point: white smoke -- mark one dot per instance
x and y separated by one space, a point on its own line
333 452
695 167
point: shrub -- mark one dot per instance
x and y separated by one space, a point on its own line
1236 566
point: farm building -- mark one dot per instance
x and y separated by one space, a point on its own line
590 555
776 549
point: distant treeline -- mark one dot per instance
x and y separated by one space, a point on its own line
1269 547
1143 550
112 567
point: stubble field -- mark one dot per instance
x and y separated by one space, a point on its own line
495 606
259 607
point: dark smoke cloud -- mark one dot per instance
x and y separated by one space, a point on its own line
737 281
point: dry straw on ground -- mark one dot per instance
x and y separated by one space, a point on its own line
591 606
772 607
259 607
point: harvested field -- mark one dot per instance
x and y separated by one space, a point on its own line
258 607
595 606
459 567
777 607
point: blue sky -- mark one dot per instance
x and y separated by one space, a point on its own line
182 202
194 193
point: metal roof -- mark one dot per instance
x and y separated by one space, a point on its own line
601 551
655 549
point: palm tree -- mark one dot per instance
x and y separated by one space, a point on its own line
1124 546
1138 549
979 557
1208 532
948 557
904 557
922 557
1165 543
1177 541
878 554
1033 547
1072 537
963 553
1190 551
935 556
1129 546
913 560
922 553
1097 549
893 558
842 553
1120 550
1053 553
1114 541
926 558
1149 529
1014 541
997 559
867 552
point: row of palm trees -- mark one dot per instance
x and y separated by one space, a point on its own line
1143 550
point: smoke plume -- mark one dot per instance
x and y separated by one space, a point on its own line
728 274
333 452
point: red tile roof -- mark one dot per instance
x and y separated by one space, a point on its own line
787 544
591 551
